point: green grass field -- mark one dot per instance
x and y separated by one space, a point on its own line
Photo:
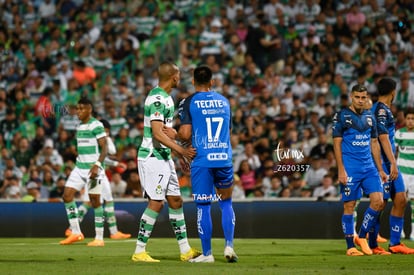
256 256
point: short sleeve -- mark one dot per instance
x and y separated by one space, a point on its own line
381 115
337 129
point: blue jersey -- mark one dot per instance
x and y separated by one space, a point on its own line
356 131
210 117
385 125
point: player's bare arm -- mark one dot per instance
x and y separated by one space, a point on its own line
376 155
98 165
170 132
342 175
386 146
158 133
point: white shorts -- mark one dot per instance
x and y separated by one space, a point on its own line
409 185
79 178
106 191
158 178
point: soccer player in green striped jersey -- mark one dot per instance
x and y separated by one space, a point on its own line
156 168
92 150
404 139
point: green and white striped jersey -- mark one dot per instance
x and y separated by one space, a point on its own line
405 142
159 105
87 135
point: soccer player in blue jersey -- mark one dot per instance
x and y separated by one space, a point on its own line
206 123
355 147
393 188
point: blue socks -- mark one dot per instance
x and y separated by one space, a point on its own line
228 221
396 226
369 221
348 229
205 227
372 236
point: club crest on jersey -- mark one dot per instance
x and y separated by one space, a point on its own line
157 114
158 190
382 112
369 121
347 191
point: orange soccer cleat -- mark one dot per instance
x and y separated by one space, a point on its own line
380 251
354 252
120 236
400 249
73 238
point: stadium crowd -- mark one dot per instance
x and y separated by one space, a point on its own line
286 67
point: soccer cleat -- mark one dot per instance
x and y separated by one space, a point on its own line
203 259
68 232
411 238
363 243
96 243
380 251
73 238
356 240
191 254
120 236
143 257
400 249
381 239
230 255
354 252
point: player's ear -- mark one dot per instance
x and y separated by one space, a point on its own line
192 81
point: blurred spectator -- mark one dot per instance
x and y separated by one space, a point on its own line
314 175
296 185
33 192
275 187
9 124
23 154
247 177
326 189
212 42
56 193
238 191
133 189
249 155
50 156
10 188
118 185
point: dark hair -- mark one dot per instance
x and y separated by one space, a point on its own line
385 86
85 101
202 75
359 88
409 111
106 124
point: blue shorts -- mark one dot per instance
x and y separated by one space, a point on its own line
361 180
392 187
204 179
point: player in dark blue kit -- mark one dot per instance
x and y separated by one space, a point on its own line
393 188
355 147
206 123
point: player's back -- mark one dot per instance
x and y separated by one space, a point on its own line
356 132
211 122
385 124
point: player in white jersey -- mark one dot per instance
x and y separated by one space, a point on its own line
106 198
92 150
156 168
404 139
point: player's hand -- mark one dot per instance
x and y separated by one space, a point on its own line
342 177
393 172
188 153
170 132
383 176
93 173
